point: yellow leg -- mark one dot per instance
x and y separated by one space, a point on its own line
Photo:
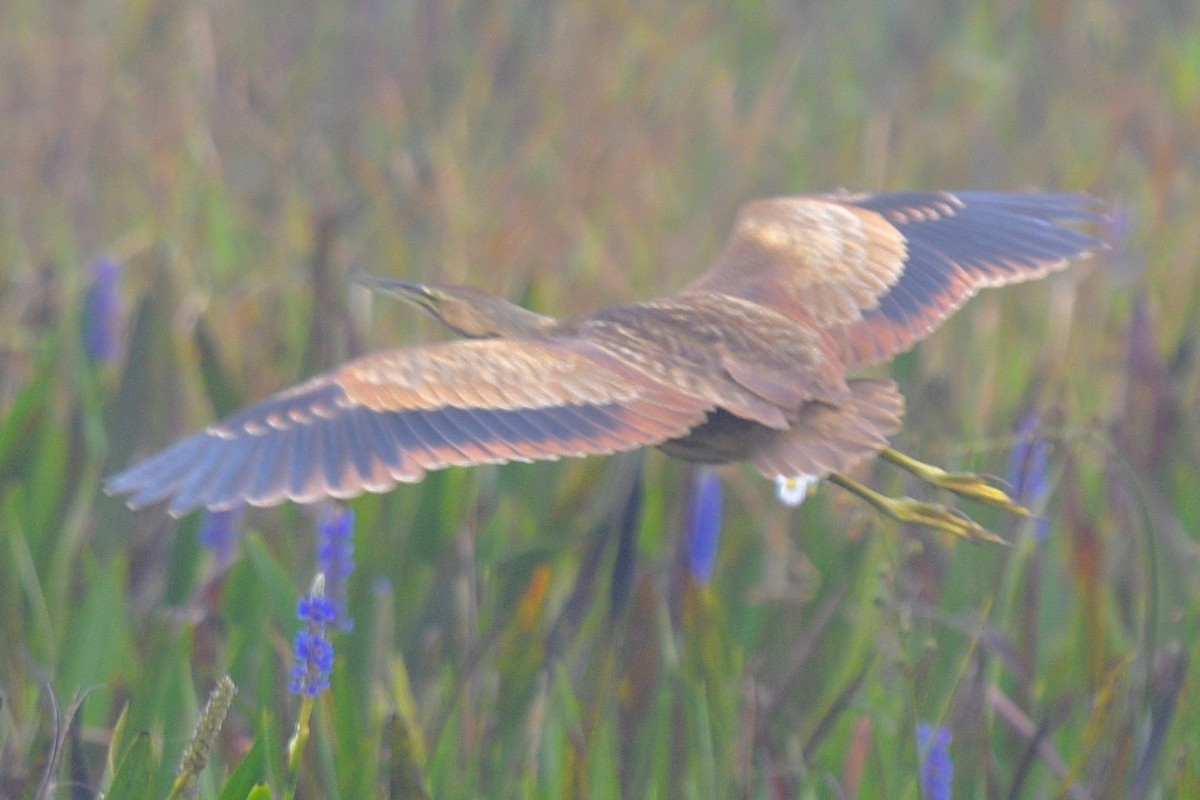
906 509
970 485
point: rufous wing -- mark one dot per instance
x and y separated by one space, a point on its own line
390 416
881 271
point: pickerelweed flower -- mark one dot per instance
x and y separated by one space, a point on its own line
933 754
335 559
1027 470
704 524
102 310
313 650
220 532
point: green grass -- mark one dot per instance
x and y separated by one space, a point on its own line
240 159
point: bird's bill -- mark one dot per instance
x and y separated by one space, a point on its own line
417 293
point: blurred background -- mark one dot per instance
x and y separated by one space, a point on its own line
184 187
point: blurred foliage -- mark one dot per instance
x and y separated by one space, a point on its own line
239 160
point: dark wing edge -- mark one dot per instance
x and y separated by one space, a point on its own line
314 441
958 243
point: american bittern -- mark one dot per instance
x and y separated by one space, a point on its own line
749 362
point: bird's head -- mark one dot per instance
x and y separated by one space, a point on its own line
465 310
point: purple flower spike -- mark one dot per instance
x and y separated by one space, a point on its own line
1027 469
220 531
313 650
102 310
933 753
704 524
335 559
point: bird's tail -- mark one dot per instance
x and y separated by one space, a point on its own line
832 438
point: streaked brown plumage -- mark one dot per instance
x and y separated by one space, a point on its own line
749 362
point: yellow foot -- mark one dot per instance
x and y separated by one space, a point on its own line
970 485
939 517
932 515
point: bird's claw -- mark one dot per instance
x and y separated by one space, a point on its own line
939 517
906 509
970 485
974 486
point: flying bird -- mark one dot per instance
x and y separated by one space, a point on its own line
750 362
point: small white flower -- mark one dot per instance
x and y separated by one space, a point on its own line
792 489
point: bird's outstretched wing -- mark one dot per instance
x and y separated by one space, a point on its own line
389 416
881 271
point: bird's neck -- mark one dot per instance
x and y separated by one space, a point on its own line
502 318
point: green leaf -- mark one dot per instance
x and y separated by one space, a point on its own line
19 570
259 792
97 639
259 598
223 391
146 410
242 781
46 487
183 563
220 231
178 706
405 774
132 779
19 426
278 585
439 512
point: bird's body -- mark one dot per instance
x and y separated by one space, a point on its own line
749 362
